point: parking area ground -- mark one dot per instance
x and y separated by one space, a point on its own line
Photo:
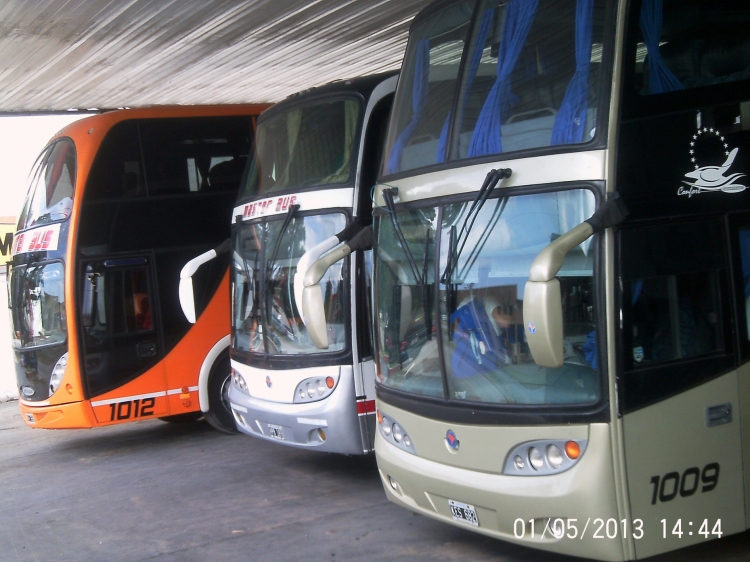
181 493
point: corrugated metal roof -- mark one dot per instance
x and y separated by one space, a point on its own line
61 54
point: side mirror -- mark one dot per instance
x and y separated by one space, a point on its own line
89 298
312 309
542 301
186 294
542 319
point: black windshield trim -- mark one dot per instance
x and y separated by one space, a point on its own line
476 413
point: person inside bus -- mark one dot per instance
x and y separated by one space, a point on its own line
479 334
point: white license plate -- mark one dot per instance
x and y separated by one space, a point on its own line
276 431
463 512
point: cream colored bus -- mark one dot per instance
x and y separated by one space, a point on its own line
562 267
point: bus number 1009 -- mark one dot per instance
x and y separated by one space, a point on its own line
132 409
666 487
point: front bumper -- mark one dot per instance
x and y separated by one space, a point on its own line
331 425
74 415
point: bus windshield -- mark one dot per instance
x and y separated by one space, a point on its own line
526 77
38 299
473 348
265 262
308 145
51 188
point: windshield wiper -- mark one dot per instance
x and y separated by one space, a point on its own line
388 198
490 181
269 264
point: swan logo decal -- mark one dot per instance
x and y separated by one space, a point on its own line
711 178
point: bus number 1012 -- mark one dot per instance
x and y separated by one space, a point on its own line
132 409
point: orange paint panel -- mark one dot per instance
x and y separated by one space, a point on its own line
183 402
66 416
183 363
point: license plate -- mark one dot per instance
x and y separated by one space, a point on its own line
276 431
463 512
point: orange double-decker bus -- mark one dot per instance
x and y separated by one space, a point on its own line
117 203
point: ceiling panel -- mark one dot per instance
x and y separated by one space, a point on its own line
62 54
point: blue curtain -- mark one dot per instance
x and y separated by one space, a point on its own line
571 118
418 101
476 57
518 19
660 78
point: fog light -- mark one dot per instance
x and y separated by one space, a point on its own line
393 483
321 434
386 427
554 457
397 433
535 458
407 440
518 461
330 382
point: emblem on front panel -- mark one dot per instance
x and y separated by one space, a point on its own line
269 382
451 440
712 159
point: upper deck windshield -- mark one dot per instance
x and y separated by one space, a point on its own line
51 186
523 74
265 263
469 344
314 144
686 44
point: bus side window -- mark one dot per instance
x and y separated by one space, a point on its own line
674 305
744 239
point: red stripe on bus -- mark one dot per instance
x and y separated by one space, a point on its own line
365 406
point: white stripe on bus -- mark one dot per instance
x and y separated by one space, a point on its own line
127 398
179 390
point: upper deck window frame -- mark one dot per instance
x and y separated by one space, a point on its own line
452 158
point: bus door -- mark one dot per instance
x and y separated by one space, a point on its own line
678 385
122 337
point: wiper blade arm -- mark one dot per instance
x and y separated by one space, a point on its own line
388 198
491 180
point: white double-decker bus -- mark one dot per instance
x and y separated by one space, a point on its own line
562 266
317 155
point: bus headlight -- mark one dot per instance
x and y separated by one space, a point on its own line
315 388
554 457
535 458
239 380
57 373
543 457
394 433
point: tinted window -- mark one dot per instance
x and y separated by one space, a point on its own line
683 44
306 145
674 299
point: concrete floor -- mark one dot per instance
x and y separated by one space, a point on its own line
162 492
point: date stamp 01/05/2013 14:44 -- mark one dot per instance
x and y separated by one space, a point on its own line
599 528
